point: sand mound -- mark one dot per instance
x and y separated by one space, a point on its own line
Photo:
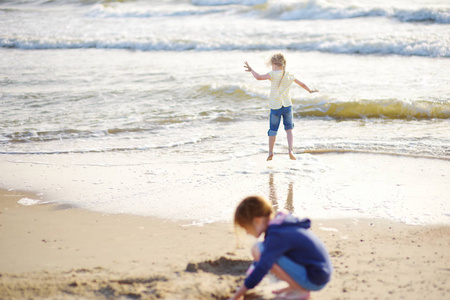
211 279
221 266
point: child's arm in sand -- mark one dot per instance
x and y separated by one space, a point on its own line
255 74
304 86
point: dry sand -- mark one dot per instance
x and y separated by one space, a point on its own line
56 252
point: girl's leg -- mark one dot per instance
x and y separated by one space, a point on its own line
288 122
272 140
290 139
294 289
274 120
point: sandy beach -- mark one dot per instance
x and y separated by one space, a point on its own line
127 139
57 252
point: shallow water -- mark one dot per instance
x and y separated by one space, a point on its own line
83 79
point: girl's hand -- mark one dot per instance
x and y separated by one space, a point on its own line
240 293
313 91
249 69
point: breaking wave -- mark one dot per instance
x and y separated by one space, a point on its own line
283 10
366 45
385 108
355 109
287 11
311 10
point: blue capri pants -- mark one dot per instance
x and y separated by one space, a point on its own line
295 271
275 119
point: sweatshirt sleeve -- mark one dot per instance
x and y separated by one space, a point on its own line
274 247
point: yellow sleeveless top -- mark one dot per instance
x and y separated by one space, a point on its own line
280 91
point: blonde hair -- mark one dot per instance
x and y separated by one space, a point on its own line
278 59
252 207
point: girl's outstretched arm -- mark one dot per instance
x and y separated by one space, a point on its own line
255 74
304 86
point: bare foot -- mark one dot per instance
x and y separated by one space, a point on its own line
282 291
292 294
291 156
270 157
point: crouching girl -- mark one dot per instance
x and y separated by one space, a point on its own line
290 250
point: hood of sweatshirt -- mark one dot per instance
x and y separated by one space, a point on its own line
285 219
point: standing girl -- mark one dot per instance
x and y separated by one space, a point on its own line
280 100
290 250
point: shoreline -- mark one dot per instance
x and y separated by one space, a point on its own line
349 151
323 186
53 251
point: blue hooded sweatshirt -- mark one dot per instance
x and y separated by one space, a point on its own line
288 236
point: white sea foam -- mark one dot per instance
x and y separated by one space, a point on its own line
351 45
331 11
162 26
227 2
102 11
28 201
282 10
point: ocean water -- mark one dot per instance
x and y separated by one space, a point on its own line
160 85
